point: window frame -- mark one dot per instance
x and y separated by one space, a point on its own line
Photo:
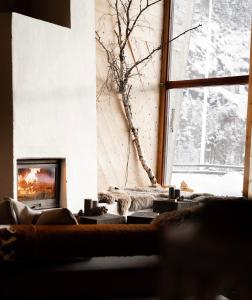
166 84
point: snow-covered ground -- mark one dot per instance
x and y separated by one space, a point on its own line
230 184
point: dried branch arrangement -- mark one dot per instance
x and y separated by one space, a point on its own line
121 70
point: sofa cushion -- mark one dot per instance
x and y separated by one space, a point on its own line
57 216
24 213
7 213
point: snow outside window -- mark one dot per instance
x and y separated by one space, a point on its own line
206 126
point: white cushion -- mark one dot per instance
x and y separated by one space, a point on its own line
24 213
57 216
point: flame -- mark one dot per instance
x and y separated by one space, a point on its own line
31 177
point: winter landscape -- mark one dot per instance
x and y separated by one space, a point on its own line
210 129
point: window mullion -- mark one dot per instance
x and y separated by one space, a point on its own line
163 103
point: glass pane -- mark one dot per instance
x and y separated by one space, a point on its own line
207 132
36 183
220 47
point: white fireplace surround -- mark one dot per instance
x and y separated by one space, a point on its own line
48 95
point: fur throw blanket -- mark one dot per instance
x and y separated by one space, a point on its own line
132 199
177 217
116 195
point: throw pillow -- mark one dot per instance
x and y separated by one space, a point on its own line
7 213
56 216
24 213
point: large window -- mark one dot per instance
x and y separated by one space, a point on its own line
206 94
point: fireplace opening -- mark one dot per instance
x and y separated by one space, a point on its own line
38 182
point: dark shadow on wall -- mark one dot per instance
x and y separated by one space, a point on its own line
53 11
6 111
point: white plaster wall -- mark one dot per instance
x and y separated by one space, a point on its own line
54 96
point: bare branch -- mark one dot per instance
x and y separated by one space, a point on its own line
128 91
102 88
141 11
127 19
124 6
98 39
141 61
119 36
123 19
155 50
190 29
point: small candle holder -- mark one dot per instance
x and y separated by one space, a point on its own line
177 194
171 193
87 206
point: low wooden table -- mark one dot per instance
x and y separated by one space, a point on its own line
103 219
161 206
141 217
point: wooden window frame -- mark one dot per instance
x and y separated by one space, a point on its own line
166 84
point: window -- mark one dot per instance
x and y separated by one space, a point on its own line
204 105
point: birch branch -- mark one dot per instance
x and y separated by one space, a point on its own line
120 69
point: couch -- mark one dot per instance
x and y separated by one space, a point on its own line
48 255
74 241
56 234
79 261
97 261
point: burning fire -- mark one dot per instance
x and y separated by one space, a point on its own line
36 183
31 177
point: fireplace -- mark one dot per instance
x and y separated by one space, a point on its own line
38 182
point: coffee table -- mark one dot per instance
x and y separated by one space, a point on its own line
103 219
161 206
141 217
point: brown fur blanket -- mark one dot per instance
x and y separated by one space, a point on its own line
177 217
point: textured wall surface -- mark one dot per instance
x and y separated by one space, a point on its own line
114 149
